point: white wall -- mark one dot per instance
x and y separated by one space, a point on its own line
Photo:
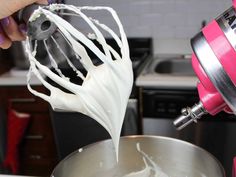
171 23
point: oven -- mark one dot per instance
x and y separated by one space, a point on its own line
161 99
161 106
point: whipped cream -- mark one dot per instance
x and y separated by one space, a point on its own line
150 169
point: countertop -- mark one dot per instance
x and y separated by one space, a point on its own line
166 81
17 78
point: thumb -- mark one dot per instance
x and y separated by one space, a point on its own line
8 7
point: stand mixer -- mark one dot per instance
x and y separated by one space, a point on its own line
214 61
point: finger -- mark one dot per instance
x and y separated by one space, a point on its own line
12 6
11 29
45 2
5 42
23 29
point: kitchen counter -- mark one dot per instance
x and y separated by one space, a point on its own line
166 81
17 78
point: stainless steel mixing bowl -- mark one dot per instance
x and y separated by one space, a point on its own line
175 158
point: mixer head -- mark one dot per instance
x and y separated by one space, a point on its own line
214 61
189 115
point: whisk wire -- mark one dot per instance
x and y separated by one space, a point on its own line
53 62
125 46
99 37
79 74
84 57
34 63
105 28
80 36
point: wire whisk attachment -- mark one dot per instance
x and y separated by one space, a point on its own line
105 88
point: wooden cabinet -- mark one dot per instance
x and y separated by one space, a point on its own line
37 150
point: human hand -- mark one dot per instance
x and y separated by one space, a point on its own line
9 29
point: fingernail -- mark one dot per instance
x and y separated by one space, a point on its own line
50 1
2 39
23 28
5 21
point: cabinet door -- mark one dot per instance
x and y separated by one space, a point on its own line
38 153
23 101
37 149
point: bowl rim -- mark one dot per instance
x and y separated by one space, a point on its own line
141 136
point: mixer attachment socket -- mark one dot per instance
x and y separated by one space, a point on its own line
41 28
189 115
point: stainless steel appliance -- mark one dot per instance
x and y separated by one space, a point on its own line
167 84
74 130
172 157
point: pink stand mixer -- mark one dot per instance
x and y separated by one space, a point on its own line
214 61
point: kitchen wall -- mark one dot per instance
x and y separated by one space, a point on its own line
170 22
